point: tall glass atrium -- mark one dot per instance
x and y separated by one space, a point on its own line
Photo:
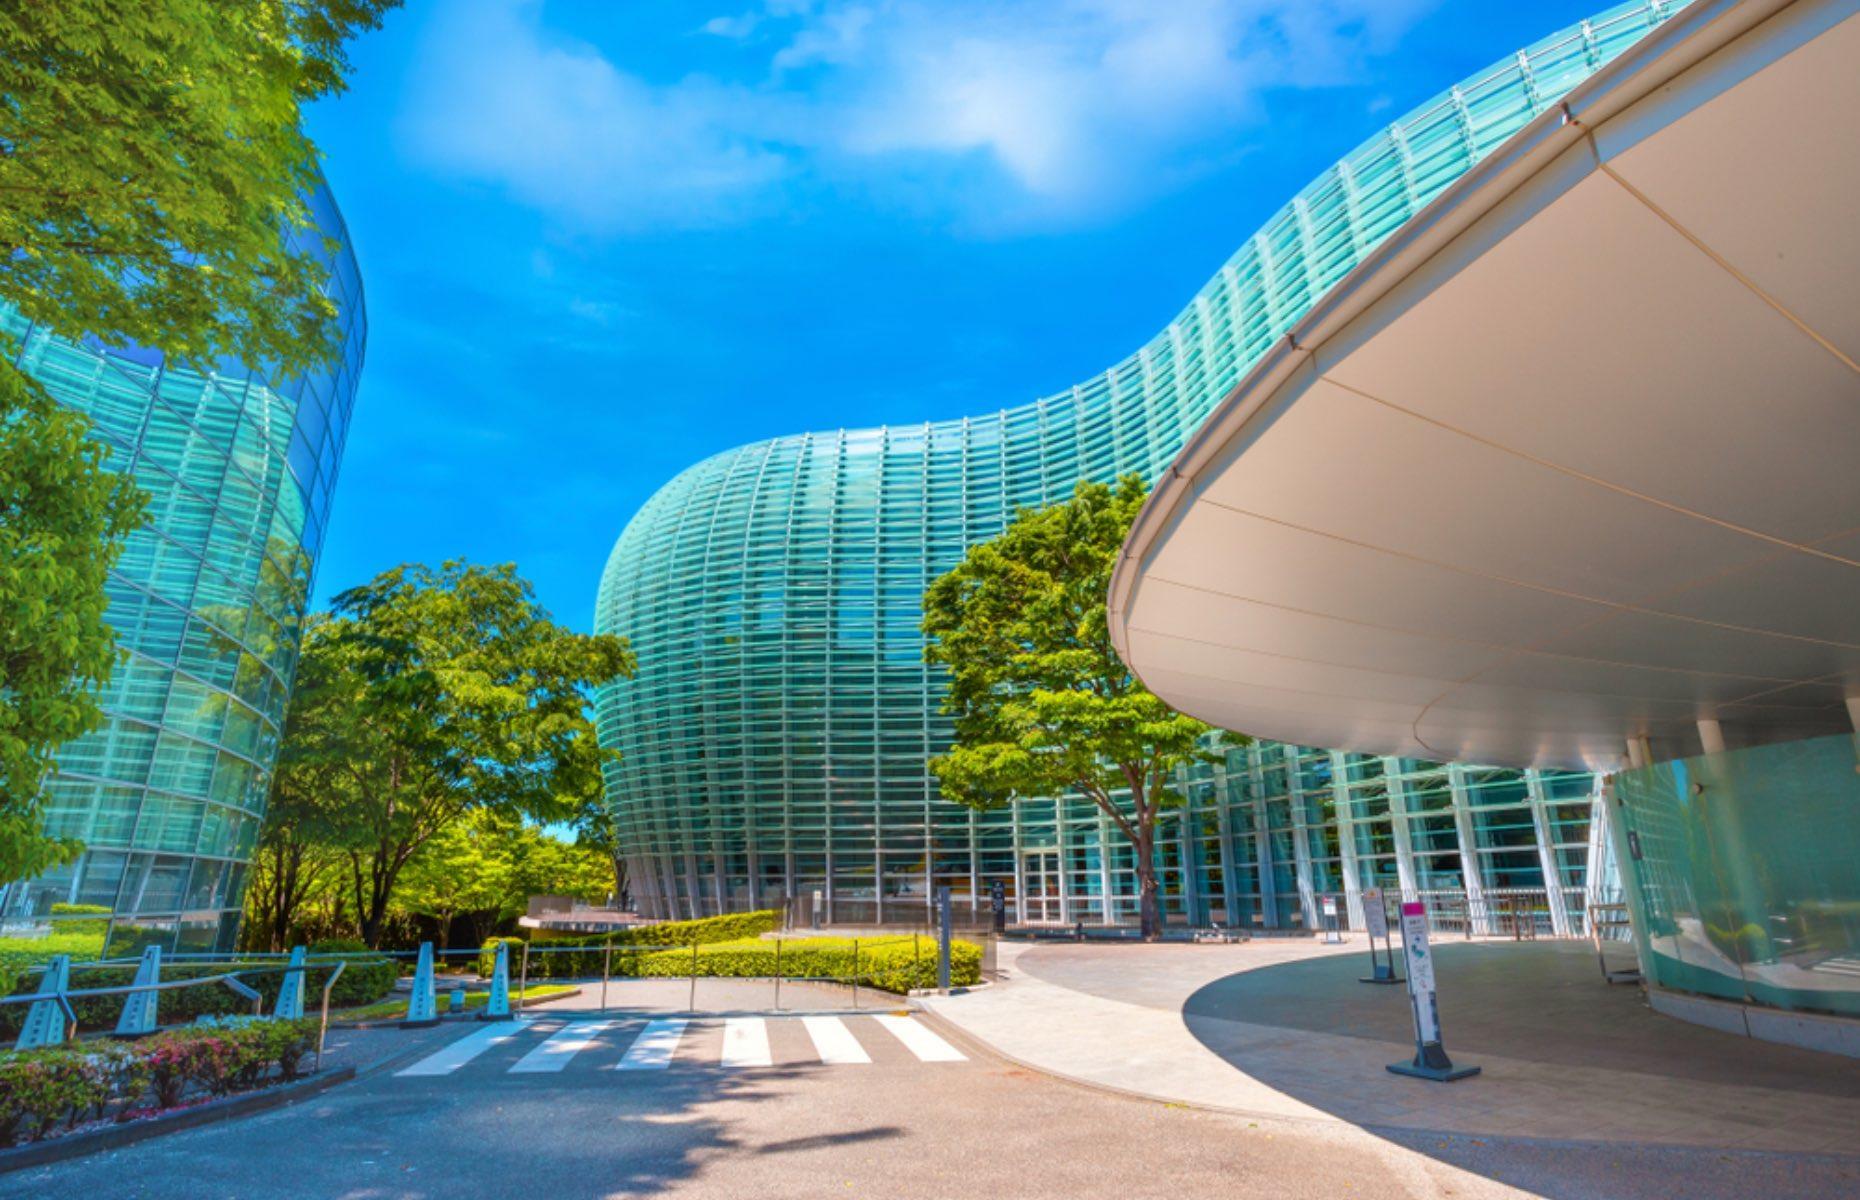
775 739
207 603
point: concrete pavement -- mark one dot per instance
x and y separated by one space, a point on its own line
899 1126
1282 1030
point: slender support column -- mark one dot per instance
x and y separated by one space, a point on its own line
1262 849
1020 875
1398 827
1185 852
1223 819
1546 853
1108 916
1472 865
1346 837
1600 882
1711 736
1853 712
694 889
1301 840
1065 878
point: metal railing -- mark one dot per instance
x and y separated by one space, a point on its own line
236 981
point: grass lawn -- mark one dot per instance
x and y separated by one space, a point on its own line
389 1010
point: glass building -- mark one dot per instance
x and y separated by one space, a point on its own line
774 741
207 601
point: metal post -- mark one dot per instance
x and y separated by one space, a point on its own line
942 940
607 969
777 974
323 1030
523 981
855 973
692 1005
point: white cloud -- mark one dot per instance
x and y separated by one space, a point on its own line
1051 112
567 131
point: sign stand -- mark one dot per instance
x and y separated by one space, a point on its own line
1430 1056
1376 925
1332 937
942 940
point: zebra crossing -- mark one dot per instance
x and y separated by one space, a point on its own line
548 1045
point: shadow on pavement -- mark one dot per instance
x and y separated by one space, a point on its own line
1585 1091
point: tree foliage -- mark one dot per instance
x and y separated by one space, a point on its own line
429 694
1043 705
154 180
63 517
154 171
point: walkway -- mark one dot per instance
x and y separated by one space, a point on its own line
1283 1029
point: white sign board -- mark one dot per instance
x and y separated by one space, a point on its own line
1375 917
1330 906
1420 969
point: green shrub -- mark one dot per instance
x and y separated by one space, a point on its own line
364 980
894 964
41 1090
61 909
557 965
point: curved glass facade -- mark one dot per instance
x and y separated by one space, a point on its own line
775 738
207 600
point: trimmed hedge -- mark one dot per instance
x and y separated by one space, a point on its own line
42 1090
728 928
363 981
893 964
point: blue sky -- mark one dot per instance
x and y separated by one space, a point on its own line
602 240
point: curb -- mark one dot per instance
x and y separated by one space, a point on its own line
468 1014
112 1137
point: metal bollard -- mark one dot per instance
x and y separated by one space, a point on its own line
855 976
777 974
523 982
607 969
692 1003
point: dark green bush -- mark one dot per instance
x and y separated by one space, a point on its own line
41 1090
364 980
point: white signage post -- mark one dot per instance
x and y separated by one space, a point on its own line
1430 1056
1332 936
1376 925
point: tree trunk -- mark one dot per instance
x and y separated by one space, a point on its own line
1149 911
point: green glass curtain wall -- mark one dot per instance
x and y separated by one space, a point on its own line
1743 873
207 601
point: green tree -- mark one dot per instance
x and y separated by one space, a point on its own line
429 694
153 174
465 868
595 831
1043 705
484 868
299 857
62 521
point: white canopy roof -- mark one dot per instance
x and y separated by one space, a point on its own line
1574 457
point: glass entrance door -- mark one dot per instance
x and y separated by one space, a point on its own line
1040 878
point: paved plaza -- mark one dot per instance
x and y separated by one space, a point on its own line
1282 1029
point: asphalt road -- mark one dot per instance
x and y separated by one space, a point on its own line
714 1121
